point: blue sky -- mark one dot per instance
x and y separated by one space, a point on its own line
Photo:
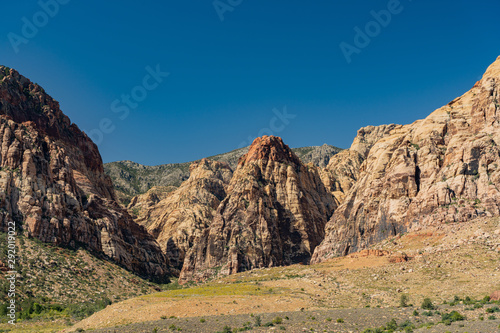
227 76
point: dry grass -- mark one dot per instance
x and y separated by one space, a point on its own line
459 259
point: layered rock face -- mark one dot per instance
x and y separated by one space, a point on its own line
181 217
343 170
274 214
444 168
52 182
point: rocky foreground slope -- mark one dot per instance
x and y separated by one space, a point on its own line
52 182
444 168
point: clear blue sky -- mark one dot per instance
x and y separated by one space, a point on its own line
226 77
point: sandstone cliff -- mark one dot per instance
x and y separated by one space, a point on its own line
274 214
181 217
53 184
444 168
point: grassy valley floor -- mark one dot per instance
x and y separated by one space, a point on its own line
448 263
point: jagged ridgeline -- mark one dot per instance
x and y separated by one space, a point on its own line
270 209
130 178
260 206
53 185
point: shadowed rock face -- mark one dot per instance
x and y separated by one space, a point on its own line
274 214
444 168
52 182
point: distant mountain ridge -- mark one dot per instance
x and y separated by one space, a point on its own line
131 178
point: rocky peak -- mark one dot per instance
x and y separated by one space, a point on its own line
367 136
493 71
444 168
274 214
24 101
53 185
269 148
183 215
206 168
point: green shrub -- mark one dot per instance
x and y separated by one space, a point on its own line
340 320
407 326
427 304
493 309
492 317
258 321
392 325
227 329
403 301
451 317
277 320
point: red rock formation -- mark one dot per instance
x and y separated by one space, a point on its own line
52 182
495 296
444 168
274 214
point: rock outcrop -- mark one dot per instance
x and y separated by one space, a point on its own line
343 169
182 216
444 168
130 178
274 214
53 184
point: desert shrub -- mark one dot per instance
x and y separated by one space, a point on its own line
493 309
392 325
227 329
340 320
469 301
373 330
277 320
448 318
407 326
403 301
258 321
84 310
427 304
485 300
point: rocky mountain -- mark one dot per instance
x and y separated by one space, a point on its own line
53 183
130 178
444 168
343 170
274 214
181 217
